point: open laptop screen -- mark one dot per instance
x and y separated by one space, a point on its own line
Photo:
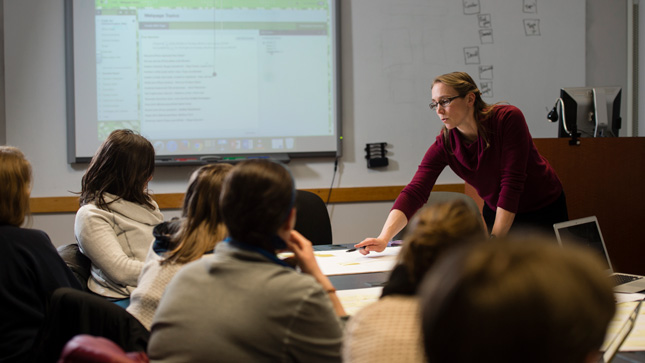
586 232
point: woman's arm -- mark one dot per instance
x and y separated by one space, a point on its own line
96 235
304 252
515 142
394 223
411 198
503 222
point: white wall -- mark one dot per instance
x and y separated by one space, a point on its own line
3 126
35 115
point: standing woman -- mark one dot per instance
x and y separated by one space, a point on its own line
490 148
114 225
30 267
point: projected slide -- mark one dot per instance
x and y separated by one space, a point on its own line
201 77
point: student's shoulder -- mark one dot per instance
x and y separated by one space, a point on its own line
91 212
89 208
288 282
191 279
194 270
389 313
26 239
390 305
18 232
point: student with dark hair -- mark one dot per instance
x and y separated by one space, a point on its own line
516 300
389 329
244 304
114 225
182 241
30 267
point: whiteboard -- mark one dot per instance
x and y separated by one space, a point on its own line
518 51
391 51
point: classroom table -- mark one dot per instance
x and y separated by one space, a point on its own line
378 279
354 281
355 290
629 357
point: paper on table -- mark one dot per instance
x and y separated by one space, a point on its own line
636 339
341 262
625 297
354 300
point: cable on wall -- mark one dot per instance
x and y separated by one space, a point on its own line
333 176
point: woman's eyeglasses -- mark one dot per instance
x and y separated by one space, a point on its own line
445 102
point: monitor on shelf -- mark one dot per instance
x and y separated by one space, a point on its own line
589 112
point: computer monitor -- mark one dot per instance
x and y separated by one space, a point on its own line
589 111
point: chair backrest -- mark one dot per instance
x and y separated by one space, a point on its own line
77 262
442 197
312 218
72 312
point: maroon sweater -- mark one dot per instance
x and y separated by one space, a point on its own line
510 173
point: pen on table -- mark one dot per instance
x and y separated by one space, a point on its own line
354 249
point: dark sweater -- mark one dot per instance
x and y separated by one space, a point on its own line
510 173
30 270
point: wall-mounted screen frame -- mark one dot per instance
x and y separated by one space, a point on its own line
205 80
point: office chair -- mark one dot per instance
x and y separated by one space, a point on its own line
77 262
72 312
312 218
442 197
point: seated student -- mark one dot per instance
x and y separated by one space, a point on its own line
516 301
30 267
114 225
182 241
389 330
244 304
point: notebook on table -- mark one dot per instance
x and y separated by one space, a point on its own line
614 341
586 231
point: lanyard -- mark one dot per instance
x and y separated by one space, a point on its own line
248 247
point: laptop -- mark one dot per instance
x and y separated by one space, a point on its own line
586 231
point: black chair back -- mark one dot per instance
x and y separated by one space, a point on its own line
77 262
312 218
72 312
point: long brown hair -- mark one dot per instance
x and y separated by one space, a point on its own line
15 186
202 225
434 229
122 166
464 84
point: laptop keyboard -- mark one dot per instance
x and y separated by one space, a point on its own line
619 279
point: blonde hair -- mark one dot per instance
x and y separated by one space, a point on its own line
464 84
202 225
434 229
15 186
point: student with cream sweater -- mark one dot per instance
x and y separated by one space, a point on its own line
114 225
